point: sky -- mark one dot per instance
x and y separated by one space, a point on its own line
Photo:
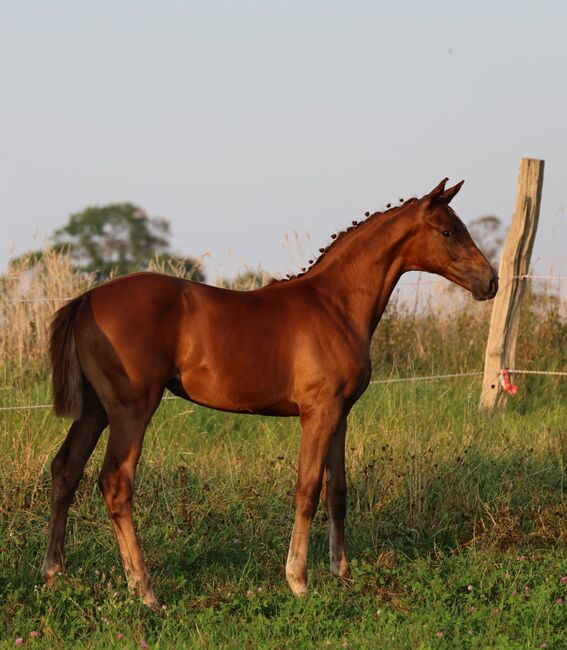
245 122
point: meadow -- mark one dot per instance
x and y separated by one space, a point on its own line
456 527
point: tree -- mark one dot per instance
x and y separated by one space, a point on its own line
116 239
119 237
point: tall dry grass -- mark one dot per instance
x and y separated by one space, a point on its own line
431 331
30 291
445 331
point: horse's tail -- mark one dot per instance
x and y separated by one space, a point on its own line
67 375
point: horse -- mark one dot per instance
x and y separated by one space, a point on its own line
295 347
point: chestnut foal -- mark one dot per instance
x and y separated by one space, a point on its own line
297 347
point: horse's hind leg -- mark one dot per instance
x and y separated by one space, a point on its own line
66 471
127 428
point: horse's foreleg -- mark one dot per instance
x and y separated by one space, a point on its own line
318 426
66 470
335 498
117 485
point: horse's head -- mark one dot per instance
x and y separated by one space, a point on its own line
442 245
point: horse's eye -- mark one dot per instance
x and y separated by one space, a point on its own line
447 233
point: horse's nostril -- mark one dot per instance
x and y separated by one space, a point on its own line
493 286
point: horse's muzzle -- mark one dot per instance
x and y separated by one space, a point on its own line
486 290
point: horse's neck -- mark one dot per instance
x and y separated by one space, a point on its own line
360 276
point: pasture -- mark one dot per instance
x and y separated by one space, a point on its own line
456 524
456 530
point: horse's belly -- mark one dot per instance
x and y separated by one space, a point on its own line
260 395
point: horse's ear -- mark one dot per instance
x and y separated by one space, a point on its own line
449 194
436 193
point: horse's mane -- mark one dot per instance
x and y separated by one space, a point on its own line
338 237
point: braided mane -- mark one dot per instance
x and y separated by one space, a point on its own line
338 237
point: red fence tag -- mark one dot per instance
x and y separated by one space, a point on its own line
506 384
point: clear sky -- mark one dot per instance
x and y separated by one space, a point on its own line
242 122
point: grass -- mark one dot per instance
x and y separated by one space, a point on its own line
456 529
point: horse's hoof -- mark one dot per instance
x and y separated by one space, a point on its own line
299 591
154 605
341 570
51 573
297 585
152 602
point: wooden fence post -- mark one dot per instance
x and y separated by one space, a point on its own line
514 263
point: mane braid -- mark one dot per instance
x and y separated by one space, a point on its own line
340 236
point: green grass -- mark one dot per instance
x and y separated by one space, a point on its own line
456 529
